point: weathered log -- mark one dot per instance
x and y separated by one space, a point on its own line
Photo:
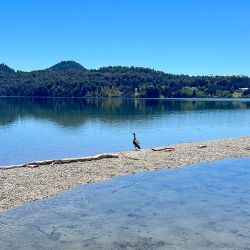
62 161
13 166
167 149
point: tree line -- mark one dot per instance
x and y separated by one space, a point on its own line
70 79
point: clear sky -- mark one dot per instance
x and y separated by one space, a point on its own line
193 37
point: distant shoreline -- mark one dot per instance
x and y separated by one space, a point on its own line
71 79
25 184
137 98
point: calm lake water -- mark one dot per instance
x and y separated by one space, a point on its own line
205 206
40 128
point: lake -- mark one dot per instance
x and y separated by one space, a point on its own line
51 128
204 206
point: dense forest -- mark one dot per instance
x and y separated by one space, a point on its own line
70 79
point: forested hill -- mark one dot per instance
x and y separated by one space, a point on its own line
70 79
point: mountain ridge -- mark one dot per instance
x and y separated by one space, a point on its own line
69 65
6 69
71 79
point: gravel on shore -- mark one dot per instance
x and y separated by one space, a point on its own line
22 185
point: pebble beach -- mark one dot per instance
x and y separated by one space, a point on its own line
20 185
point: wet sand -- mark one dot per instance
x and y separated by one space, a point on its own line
25 184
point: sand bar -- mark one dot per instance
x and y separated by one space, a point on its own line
25 184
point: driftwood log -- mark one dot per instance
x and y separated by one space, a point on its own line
167 149
36 164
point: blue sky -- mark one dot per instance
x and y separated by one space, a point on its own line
193 37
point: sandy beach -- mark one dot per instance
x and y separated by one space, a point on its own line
25 184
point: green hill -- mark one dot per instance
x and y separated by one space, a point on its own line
70 79
67 66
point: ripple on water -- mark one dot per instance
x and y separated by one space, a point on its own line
202 206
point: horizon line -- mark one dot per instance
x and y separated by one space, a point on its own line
125 66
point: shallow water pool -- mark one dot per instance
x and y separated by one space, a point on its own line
204 206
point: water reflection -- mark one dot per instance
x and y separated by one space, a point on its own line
205 206
52 128
74 112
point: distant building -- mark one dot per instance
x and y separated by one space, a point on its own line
242 90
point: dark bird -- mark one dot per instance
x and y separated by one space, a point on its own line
136 143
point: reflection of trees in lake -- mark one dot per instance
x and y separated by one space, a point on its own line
74 112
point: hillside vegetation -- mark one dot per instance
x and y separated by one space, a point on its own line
70 79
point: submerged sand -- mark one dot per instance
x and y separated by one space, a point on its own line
25 184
